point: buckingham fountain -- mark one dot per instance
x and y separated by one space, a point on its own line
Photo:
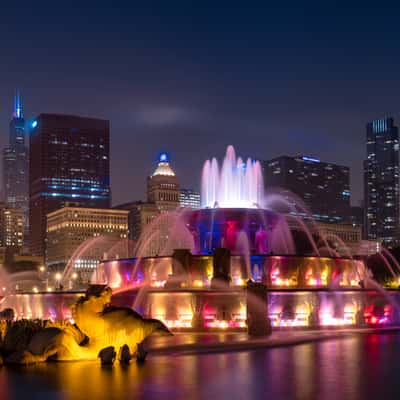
234 265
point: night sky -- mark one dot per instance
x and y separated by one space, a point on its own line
192 77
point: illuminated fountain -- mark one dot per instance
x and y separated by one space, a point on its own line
199 278
192 268
237 184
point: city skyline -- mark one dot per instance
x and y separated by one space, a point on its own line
356 196
313 88
224 176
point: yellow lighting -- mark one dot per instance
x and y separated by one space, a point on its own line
198 283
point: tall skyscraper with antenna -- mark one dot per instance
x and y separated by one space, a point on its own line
16 163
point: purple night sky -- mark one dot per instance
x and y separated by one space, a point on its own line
189 80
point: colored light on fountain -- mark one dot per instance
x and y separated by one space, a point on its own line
238 281
301 317
184 321
373 316
312 281
178 323
158 284
327 318
235 185
224 324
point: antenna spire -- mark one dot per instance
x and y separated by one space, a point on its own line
18 105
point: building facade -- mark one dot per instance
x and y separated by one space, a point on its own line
323 187
69 164
155 216
381 182
11 228
16 164
163 186
343 237
141 214
69 227
189 198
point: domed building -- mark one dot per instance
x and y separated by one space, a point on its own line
163 186
162 195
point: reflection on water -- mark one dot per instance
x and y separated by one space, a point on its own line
363 367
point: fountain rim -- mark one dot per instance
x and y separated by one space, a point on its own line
304 256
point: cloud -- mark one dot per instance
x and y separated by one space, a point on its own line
156 115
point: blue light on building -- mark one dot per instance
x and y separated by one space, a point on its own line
379 125
163 157
311 159
70 195
34 124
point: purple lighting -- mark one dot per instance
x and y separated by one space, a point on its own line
237 184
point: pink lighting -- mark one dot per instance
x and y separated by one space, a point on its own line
238 184
375 316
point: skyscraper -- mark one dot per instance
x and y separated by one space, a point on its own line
69 165
323 187
15 163
381 181
163 186
163 196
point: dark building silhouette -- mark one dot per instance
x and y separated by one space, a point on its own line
140 215
357 217
15 164
323 187
381 182
69 164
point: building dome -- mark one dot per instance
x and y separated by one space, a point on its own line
163 168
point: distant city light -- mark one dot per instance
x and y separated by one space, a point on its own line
34 124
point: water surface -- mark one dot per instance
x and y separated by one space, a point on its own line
359 367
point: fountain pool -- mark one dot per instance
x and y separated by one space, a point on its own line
202 278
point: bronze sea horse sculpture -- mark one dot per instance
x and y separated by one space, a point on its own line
97 326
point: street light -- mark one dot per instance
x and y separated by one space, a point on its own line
58 279
74 276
